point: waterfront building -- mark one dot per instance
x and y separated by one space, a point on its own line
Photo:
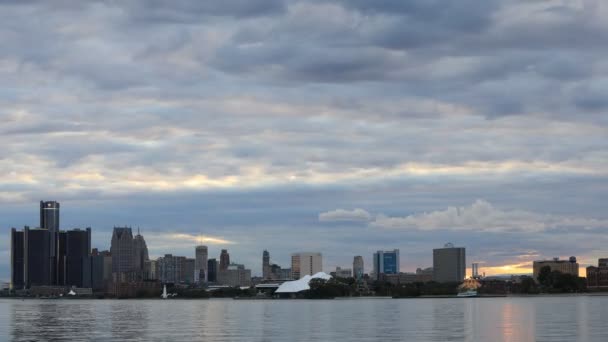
306 263
189 266
224 260
386 262
266 270
358 268
449 263
17 259
234 275
597 277
76 261
399 278
101 269
37 270
569 266
212 270
49 219
122 249
200 267
424 275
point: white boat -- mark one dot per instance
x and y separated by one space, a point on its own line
468 293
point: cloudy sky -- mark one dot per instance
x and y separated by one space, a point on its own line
339 126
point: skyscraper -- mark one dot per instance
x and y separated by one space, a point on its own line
200 265
358 269
212 270
17 259
77 258
37 269
140 252
449 263
121 248
49 219
306 263
265 265
224 260
386 262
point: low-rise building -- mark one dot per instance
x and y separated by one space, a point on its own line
597 277
569 266
234 275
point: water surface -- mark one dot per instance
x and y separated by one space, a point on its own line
578 318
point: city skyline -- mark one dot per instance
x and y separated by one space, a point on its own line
344 127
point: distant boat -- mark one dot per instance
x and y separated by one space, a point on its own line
468 293
164 295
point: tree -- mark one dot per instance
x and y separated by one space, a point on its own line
544 276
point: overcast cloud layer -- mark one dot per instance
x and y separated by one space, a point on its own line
336 126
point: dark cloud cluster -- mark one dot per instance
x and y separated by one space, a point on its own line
239 116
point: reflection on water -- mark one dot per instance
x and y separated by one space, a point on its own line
448 319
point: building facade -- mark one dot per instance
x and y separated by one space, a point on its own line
201 254
306 263
266 271
77 262
569 266
597 277
122 249
234 275
358 268
449 264
224 260
140 252
17 259
386 262
212 267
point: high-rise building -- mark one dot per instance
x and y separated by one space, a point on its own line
569 266
123 257
140 252
200 266
49 219
358 268
212 270
188 275
17 259
77 258
449 263
37 270
386 262
224 260
266 265
306 263
101 269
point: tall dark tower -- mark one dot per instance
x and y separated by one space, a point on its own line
265 265
224 260
49 219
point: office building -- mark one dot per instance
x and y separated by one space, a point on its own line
150 268
234 275
306 263
424 275
17 259
224 260
386 262
101 269
189 270
140 252
266 265
449 263
49 219
37 270
569 266
200 268
358 268
212 267
597 277
77 258
122 250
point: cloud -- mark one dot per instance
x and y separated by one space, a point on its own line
341 215
482 216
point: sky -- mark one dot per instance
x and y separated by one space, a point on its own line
337 126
